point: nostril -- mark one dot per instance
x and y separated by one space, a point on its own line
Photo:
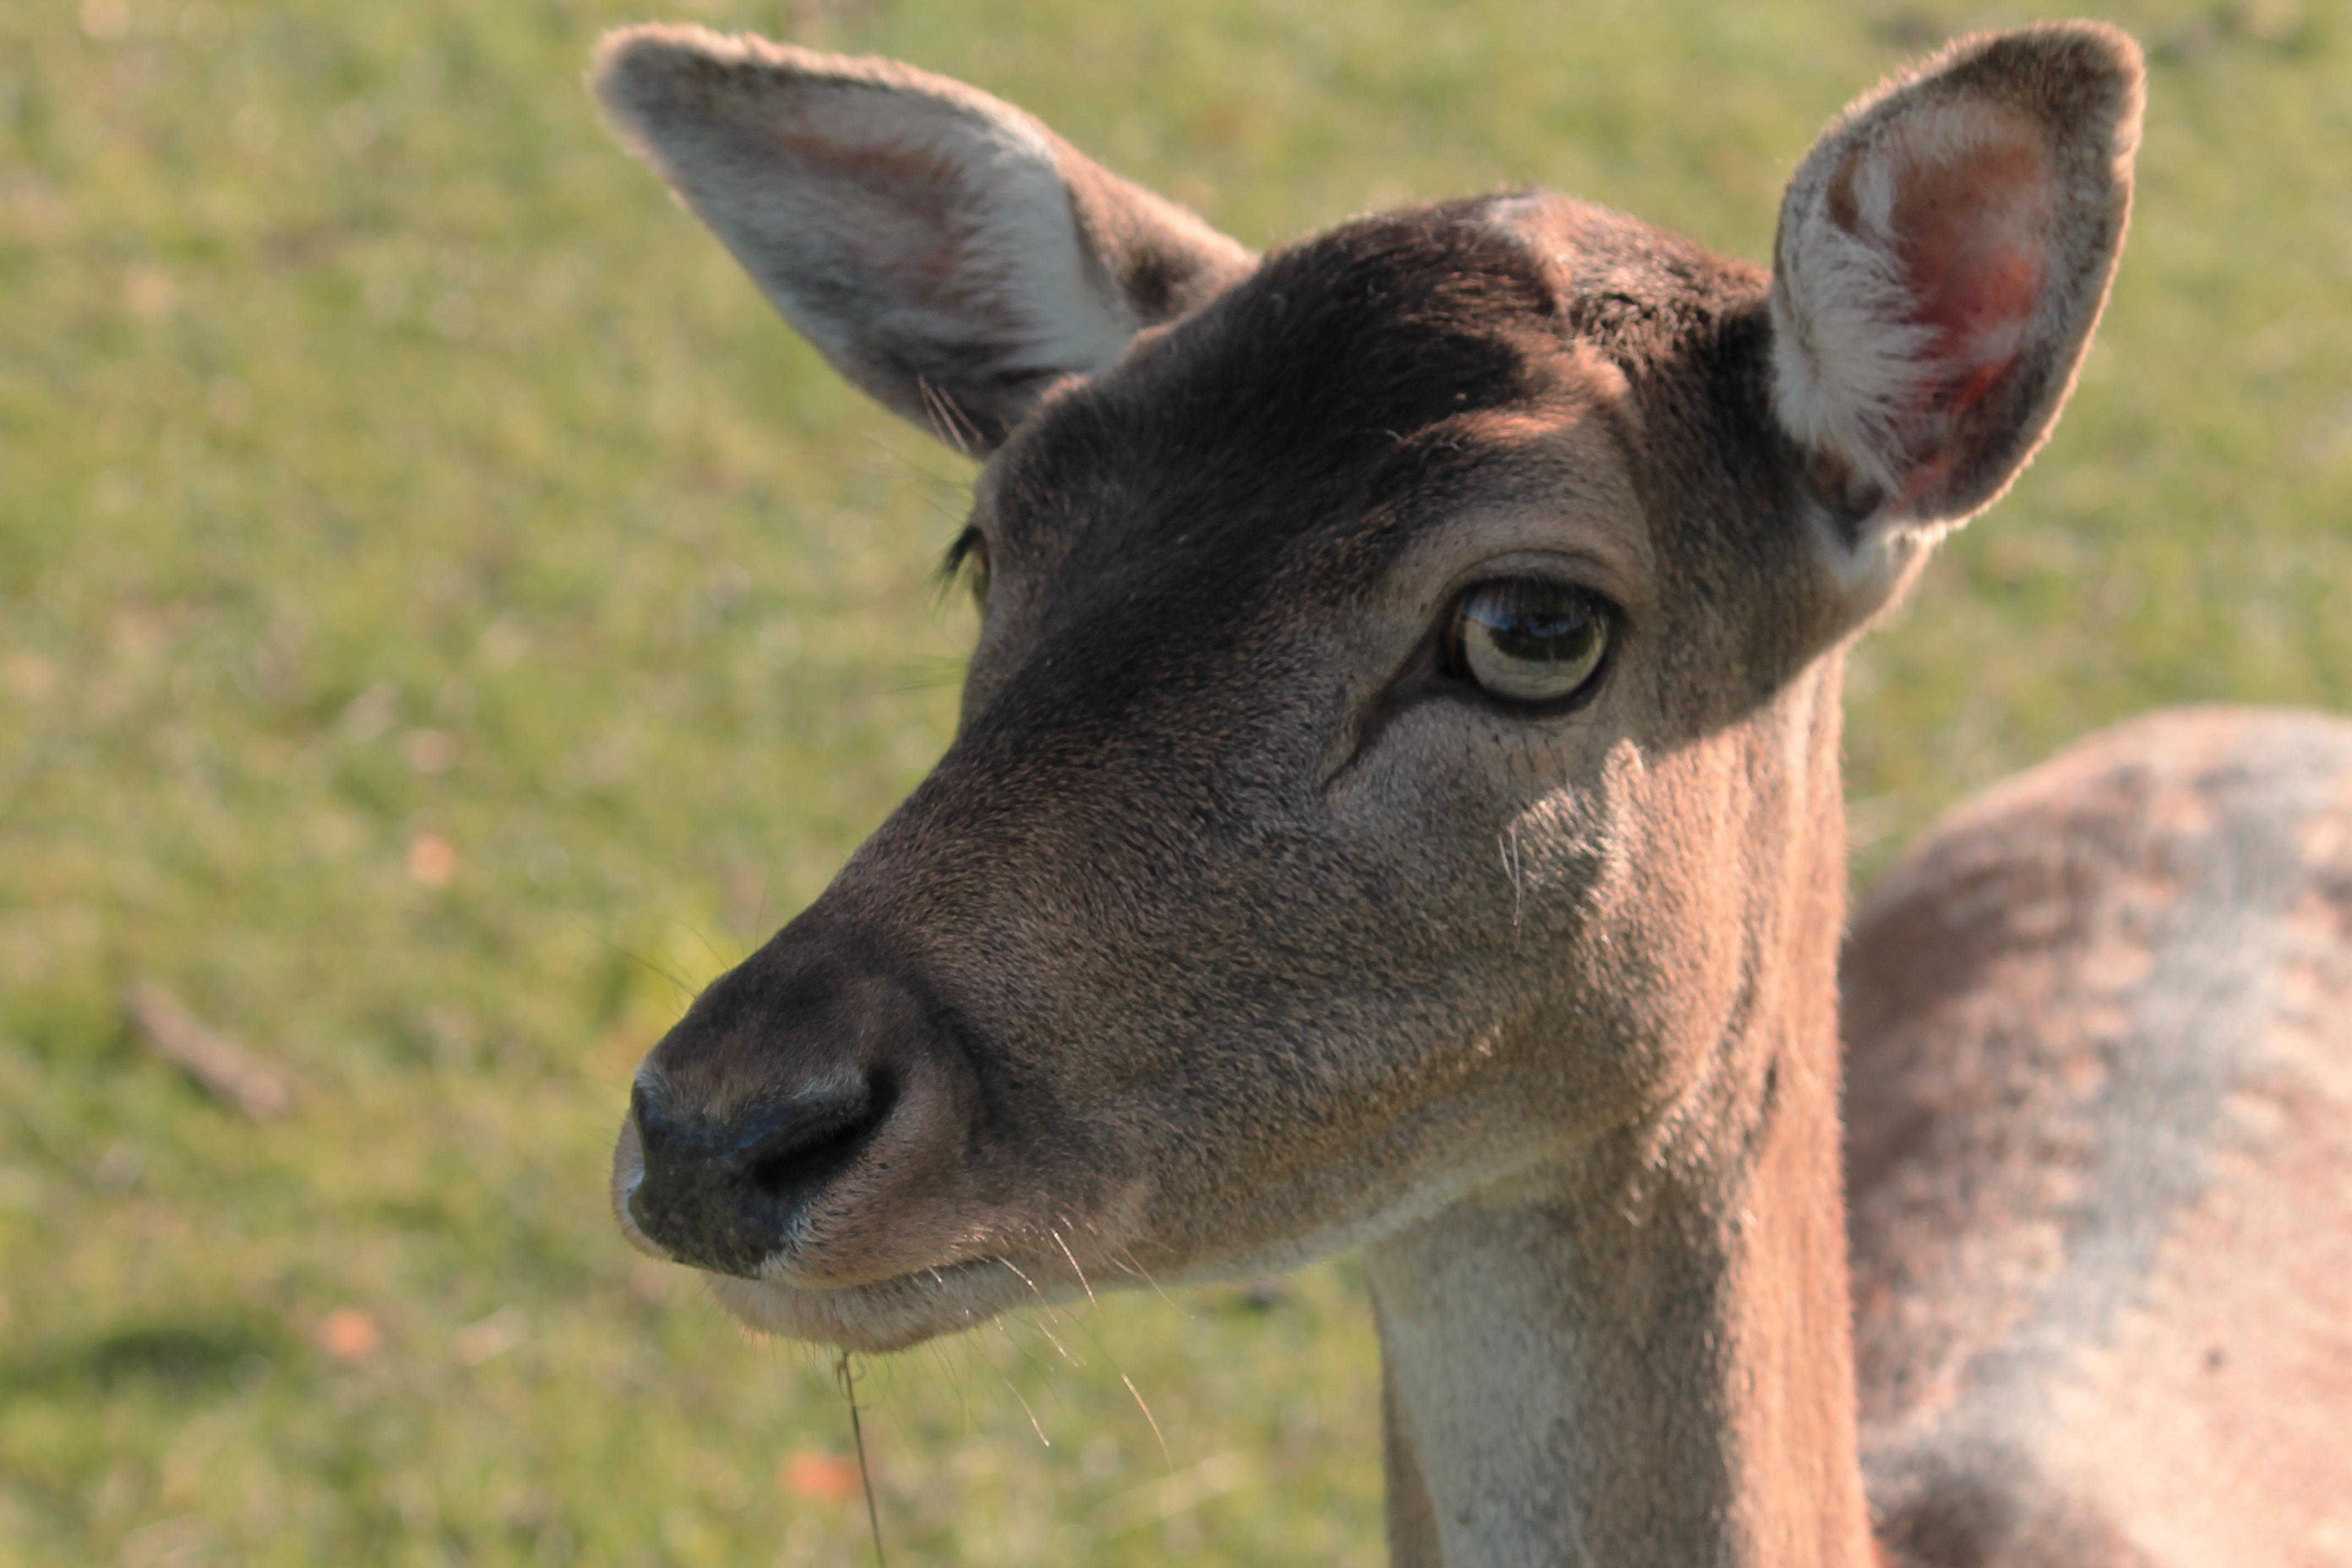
726 1194
800 1146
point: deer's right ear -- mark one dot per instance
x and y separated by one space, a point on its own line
1944 253
945 251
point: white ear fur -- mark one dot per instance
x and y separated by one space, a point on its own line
944 250
994 188
1943 254
1854 359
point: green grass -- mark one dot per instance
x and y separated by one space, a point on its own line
383 459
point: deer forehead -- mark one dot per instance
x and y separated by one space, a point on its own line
1371 414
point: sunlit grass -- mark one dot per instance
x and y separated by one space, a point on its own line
443 620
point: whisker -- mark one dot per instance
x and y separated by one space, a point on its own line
948 421
1140 1272
1042 1302
1060 1349
695 931
1081 1273
638 959
1044 1369
1033 1425
1166 1458
1134 1392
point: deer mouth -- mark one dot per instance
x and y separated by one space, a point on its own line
808 1288
888 1314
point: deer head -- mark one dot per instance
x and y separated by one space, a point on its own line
1397 774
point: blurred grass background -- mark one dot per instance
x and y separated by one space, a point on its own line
444 620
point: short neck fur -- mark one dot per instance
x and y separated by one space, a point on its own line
1575 1377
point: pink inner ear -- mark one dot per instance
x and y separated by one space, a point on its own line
1972 229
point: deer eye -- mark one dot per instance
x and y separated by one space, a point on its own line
1526 640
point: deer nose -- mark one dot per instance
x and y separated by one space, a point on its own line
725 1193
811 1098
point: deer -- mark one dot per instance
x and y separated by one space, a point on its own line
1396 804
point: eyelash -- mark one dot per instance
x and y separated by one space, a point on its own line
968 558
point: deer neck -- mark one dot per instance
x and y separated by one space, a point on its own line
1641 1353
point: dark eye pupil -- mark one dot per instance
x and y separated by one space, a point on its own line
1539 635
1534 622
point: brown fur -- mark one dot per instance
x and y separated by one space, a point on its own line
1239 924
2099 1093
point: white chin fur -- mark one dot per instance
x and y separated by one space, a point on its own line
888 1315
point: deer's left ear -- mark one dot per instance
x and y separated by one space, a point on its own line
1944 253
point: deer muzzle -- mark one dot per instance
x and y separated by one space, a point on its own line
795 1124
